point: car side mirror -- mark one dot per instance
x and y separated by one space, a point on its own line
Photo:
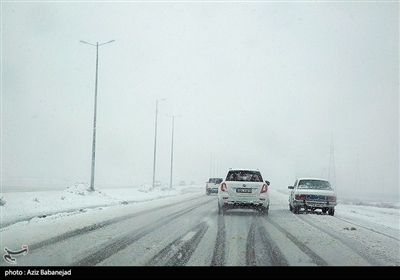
268 183
290 187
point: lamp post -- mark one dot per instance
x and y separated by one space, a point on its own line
95 109
172 148
155 144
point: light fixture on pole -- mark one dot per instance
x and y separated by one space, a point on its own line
172 148
95 109
155 144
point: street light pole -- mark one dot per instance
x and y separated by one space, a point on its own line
172 149
155 144
95 109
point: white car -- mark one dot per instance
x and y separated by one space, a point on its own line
157 184
212 185
243 189
310 194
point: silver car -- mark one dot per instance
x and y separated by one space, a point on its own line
243 189
310 194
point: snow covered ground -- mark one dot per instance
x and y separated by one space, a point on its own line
23 206
35 210
31 206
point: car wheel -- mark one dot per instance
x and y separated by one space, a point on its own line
221 209
296 210
263 210
290 208
224 207
331 211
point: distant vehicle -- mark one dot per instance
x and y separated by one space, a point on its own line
243 189
192 183
310 194
212 185
182 183
157 183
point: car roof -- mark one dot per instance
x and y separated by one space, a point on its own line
312 178
246 169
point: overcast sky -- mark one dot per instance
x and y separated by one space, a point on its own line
292 88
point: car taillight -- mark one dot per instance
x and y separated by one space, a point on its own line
264 188
300 197
331 198
206 184
223 187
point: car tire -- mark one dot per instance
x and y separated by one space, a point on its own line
263 210
296 209
221 210
290 208
331 211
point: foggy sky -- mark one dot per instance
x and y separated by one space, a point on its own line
292 88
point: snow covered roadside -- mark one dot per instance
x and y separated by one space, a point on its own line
23 206
381 216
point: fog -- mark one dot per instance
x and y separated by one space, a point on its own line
292 88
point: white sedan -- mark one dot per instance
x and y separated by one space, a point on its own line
310 194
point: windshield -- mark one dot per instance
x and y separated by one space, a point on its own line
244 175
314 184
215 180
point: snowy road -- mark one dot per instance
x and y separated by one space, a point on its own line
186 230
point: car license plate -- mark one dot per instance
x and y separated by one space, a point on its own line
316 197
243 190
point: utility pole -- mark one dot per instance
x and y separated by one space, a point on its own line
155 144
172 148
331 170
95 110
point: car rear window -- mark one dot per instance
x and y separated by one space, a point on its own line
314 184
215 180
244 175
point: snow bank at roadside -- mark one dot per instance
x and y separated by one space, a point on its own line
23 206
